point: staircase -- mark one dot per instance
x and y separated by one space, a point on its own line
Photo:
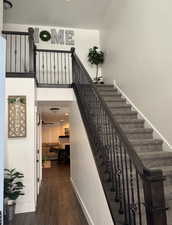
135 172
149 150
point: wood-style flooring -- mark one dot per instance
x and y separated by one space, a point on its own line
57 203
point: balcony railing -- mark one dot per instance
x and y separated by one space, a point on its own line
23 59
53 67
19 53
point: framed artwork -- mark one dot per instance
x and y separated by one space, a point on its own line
16 116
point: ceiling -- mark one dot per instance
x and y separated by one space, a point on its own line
54 117
65 13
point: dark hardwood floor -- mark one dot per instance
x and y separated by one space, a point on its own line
57 203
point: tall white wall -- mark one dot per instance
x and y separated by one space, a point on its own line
1 15
136 37
21 152
2 117
84 173
84 39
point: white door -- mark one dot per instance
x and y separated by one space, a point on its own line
2 121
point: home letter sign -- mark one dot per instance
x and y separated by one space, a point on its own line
60 37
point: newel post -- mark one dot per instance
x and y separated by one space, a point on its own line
31 49
73 73
154 196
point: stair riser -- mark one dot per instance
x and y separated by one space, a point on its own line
125 117
157 162
148 148
140 136
106 93
115 104
105 89
111 98
116 110
132 125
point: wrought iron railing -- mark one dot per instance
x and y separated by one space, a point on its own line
23 59
19 53
133 187
53 67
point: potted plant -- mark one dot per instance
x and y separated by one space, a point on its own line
96 57
46 163
13 188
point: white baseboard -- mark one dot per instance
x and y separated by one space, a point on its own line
84 208
167 145
25 208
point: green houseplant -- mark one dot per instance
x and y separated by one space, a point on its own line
13 188
96 57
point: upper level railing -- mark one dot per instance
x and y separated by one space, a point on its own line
134 186
23 59
53 67
19 53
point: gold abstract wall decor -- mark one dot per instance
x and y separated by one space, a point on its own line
16 116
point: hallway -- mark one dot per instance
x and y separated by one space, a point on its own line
57 203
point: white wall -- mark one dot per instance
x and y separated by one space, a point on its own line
84 173
2 117
1 15
84 39
136 38
21 152
55 94
51 133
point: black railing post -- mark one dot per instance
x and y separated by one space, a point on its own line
72 55
153 188
31 49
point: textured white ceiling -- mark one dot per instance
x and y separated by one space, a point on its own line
76 13
49 116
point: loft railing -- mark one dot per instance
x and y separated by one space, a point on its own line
134 187
23 59
19 53
53 67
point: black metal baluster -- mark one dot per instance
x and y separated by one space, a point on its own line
115 185
62 70
39 72
133 206
20 55
54 70
6 37
58 68
50 75
69 75
43 66
127 187
25 65
138 198
47 68
15 52
123 181
11 48
65 68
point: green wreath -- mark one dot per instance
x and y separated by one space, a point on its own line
45 35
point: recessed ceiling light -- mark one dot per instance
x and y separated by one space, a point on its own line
54 109
66 114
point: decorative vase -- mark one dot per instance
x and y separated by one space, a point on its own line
10 210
